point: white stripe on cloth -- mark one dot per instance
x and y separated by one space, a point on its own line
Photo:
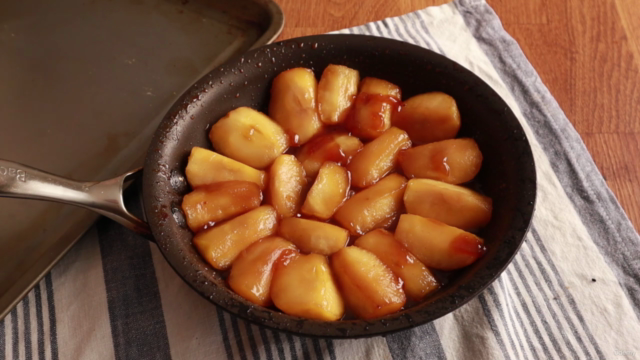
82 316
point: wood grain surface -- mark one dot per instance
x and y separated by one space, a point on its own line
586 51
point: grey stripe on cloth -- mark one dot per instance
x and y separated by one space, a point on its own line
133 297
402 345
514 302
331 349
562 290
536 310
279 344
598 208
317 348
506 316
493 324
292 346
267 343
15 344
51 309
426 31
26 328
39 321
238 337
551 307
252 342
512 324
305 347
225 336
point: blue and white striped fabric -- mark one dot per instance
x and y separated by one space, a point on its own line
571 292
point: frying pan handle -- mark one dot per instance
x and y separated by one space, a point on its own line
104 197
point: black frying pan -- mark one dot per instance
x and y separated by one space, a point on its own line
508 173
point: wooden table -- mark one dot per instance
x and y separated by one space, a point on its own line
586 51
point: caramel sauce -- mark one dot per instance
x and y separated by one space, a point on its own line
326 144
468 244
367 118
294 139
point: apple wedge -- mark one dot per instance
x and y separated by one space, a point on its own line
222 243
369 287
451 204
374 207
249 136
328 192
303 286
453 161
207 167
337 147
337 90
428 117
312 236
438 245
252 271
378 158
370 115
286 182
418 280
293 104
209 204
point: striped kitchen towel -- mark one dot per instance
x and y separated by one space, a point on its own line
571 292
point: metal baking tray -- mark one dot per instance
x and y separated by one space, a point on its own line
83 85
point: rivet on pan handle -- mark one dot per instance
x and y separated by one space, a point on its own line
104 197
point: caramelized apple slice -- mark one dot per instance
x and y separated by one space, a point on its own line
371 112
418 280
453 205
428 117
371 85
303 286
286 182
249 136
337 90
369 288
293 104
337 147
222 243
378 157
252 271
437 244
220 201
328 192
453 161
206 167
312 236
372 208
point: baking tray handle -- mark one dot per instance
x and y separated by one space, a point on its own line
103 197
